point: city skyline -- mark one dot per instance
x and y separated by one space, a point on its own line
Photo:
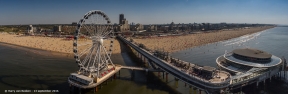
145 12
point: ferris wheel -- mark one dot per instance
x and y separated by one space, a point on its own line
93 43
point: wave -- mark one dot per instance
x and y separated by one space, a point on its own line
241 39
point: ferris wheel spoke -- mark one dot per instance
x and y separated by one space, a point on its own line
95 25
104 30
103 56
104 35
85 51
90 57
87 56
98 33
95 58
86 43
88 29
100 30
95 55
108 57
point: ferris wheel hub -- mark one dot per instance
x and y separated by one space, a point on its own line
97 40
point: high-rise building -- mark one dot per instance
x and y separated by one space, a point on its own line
121 18
123 24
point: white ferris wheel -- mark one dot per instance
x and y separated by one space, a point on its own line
93 44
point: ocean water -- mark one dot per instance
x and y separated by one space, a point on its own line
274 41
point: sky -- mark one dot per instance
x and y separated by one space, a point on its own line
13 12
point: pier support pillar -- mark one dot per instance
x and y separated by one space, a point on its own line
270 78
159 74
138 55
284 74
147 77
167 77
114 76
73 89
96 89
176 82
257 83
119 74
190 89
163 75
80 91
70 88
132 75
200 91
195 90
185 84
264 85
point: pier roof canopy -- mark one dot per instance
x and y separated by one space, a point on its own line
254 53
208 68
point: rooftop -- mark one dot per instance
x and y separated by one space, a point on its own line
208 68
254 53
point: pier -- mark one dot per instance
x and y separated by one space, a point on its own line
220 81
213 84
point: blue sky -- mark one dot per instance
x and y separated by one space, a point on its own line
145 11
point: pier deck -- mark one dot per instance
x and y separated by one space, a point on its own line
108 75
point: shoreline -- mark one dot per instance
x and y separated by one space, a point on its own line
177 43
35 50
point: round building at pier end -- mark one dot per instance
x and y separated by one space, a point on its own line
247 60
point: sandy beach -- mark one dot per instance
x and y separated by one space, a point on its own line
176 43
47 43
170 43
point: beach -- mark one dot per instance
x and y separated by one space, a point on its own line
61 45
169 43
177 43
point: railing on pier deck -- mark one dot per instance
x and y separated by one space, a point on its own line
141 69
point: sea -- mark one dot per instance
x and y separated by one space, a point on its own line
31 70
